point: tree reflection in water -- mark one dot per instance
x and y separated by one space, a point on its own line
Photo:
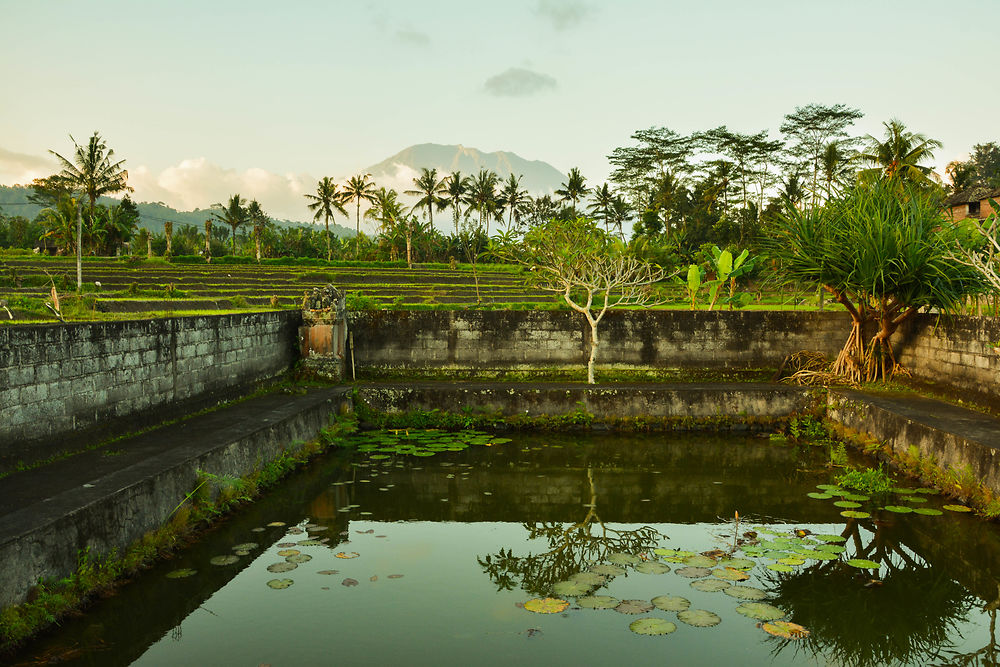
572 549
904 618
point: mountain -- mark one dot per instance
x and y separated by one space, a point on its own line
539 177
14 201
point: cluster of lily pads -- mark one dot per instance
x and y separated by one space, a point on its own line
859 506
710 572
421 442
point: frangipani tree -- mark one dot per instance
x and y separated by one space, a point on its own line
883 250
587 266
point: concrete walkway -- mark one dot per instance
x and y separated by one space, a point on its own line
107 498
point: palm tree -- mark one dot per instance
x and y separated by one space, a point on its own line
457 191
387 210
260 220
432 190
483 196
574 188
324 203
359 188
619 213
833 163
899 154
514 198
600 207
94 173
233 213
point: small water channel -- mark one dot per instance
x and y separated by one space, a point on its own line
390 558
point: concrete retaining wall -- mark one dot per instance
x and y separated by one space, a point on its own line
455 341
92 379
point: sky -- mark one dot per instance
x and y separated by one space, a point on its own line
205 99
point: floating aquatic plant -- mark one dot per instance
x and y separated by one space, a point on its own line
863 563
652 567
280 583
571 588
224 560
546 605
589 578
598 602
298 558
670 603
694 572
278 568
785 630
347 554
608 570
699 618
181 573
760 611
623 559
957 508
633 607
652 626
748 593
730 574
710 585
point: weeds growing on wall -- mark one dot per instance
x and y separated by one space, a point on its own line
213 496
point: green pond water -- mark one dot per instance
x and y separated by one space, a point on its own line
435 560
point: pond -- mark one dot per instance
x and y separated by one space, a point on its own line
424 552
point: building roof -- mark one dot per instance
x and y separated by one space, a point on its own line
973 194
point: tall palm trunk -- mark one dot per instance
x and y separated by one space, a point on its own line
79 249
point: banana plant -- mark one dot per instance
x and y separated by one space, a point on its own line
695 276
728 270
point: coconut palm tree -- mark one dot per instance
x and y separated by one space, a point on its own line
92 172
457 191
899 155
834 165
359 188
574 189
483 197
514 198
431 191
260 220
326 200
233 213
600 204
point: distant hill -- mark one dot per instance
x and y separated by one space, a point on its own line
14 201
539 177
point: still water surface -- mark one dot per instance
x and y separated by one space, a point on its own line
450 547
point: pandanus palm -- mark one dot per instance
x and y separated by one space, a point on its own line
431 191
94 172
326 200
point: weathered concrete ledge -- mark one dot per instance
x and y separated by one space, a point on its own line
954 437
104 503
668 400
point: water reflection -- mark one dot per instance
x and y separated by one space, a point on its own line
570 550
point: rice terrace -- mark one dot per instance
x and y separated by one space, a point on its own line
720 390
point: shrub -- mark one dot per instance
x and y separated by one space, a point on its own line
869 480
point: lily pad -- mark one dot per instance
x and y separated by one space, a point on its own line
785 630
310 543
957 508
546 605
693 572
816 495
299 558
710 585
737 563
572 588
904 492
278 568
652 626
927 511
700 561
748 593
349 582
854 514
276 524
224 560
589 578
598 602
760 611
182 573
607 570
780 567
633 607
792 560
652 567
847 504
730 574
830 538
288 552
828 487
347 554
928 491
246 546
898 509
280 583
623 559
857 497
670 603
863 564
328 572
698 618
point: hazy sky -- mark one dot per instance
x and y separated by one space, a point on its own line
204 99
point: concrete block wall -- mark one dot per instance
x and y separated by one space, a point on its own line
61 381
957 351
510 340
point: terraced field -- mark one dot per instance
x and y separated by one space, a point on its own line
116 287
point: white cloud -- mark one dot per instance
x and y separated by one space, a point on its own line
21 169
198 183
519 82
